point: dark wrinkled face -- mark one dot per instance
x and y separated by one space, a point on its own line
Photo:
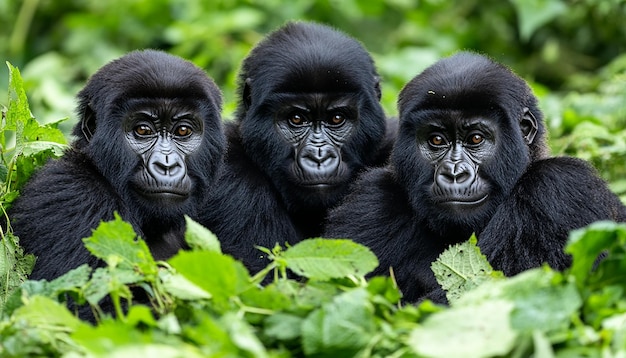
456 149
457 166
163 134
317 126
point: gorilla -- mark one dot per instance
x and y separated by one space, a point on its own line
308 120
149 146
470 157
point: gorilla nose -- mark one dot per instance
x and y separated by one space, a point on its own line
320 158
166 167
455 174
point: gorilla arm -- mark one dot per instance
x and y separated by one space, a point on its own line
61 205
242 212
559 195
377 214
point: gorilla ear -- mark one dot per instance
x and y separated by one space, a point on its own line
247 92
88 122
528 125
377 87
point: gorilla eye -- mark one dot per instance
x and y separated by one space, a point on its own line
143 130
476 139
337 119
183 131
436 140
296 120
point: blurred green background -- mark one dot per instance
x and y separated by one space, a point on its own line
572 52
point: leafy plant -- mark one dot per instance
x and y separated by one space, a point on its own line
24 146
203 303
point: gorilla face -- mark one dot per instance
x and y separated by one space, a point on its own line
459 165
151 124
457 148
317 126
163 134
310 116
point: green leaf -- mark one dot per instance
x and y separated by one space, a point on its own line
115 242
18 109
542 299
113 338
106 280
324 259
586 244
33 148
340 328
243 336
200 238
481 330
34 143
461 268
220 275
42 311
14 266
533 14
71 280
180 287
283 326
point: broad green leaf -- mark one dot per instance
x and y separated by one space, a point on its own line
32 148
71 280
220 275
461 268
106 280
115 242
42 311
586 244
542 299
140 314
265 300
112 338
309 295
210 333
340 328
112 332
200 238
180 287
243 336
324 259
481 330
283 326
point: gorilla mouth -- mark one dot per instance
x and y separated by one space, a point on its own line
464 201
319 187
165 193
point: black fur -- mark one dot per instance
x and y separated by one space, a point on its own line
69 197
534 201
257 202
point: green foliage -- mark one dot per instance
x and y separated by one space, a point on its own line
462 268
323 260
204 303
24 146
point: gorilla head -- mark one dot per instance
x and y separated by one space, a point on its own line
148 121
310 115
469 129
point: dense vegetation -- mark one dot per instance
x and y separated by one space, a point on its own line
205 303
